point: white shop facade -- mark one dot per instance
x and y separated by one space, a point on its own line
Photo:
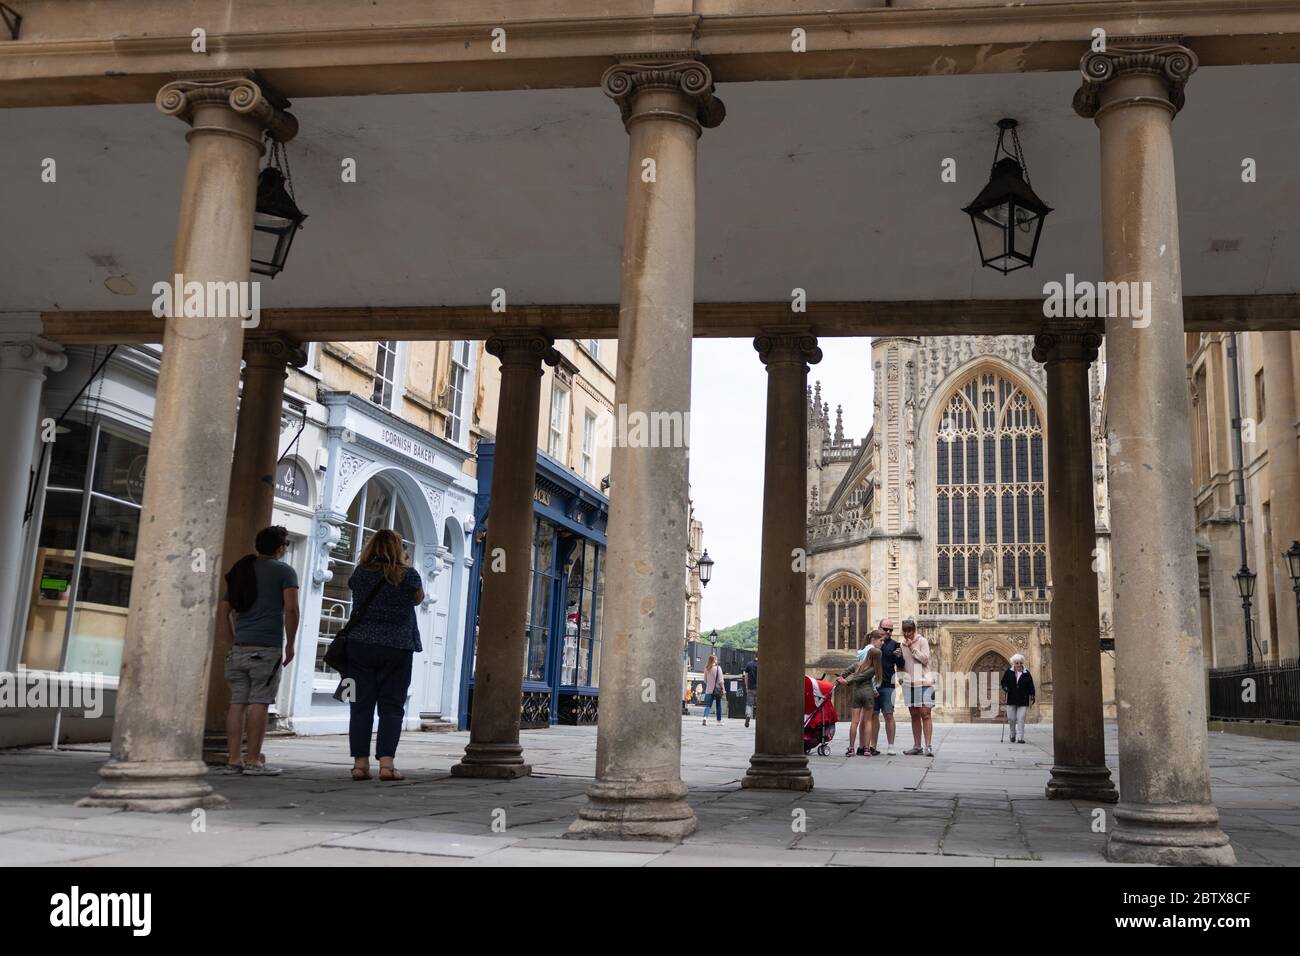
347 468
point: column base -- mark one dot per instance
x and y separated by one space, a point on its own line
492 761
634 811
154 786
1082 783
1185 834
778 772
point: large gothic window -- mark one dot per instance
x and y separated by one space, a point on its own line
847 622
990 487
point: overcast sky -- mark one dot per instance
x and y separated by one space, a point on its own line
728 411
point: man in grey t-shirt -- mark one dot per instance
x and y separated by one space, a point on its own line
262 595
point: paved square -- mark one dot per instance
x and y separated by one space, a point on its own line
977 802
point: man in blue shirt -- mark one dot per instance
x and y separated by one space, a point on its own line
262 594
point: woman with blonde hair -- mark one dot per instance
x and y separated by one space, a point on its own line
713 688
382 637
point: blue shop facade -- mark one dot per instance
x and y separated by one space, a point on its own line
567 596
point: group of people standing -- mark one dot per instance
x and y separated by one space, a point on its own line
885 667
258 617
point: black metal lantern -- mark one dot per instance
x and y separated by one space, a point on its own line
1007 215
1245 579
1292 555
277 218
713 638
705 564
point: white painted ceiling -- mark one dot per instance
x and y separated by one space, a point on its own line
831 185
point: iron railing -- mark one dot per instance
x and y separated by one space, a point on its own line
1258 692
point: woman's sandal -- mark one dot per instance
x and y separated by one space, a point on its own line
391 774
849 752
360 773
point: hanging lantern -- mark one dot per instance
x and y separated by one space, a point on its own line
277 217
1007 215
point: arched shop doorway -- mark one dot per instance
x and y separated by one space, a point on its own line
382 501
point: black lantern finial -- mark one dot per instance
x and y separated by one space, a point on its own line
277 217
1007 214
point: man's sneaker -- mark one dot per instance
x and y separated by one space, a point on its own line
746 721
706 721
914 752
261 770
890 751
231 769
929 751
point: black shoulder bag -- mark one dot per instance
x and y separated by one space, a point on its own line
336 655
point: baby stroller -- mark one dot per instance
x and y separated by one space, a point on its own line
819 716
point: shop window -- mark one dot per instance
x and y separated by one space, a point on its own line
588 445
558 446
85 553
376 507
580 656
457 383
539 616
384 389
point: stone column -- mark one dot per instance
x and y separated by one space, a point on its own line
24 357
638 791
1079 769
493 749
1283 478
779 762
252 494
1166 813
158 732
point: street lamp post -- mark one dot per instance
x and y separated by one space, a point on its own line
1245 579
1292 555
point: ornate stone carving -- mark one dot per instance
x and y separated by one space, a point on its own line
523 348
434 497
1162 55
787 347
327 534
668 71
1068 346
240 90
940 355
31 353
270 350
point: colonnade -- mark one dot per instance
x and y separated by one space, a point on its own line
1164 814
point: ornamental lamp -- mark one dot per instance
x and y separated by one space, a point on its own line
277 218
1007 215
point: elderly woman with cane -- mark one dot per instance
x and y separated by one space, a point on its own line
1018 685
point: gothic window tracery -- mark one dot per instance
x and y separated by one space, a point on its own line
846 617
990 487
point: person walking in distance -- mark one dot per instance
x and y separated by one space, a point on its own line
1018 685
891 660
751 689
262 594
713 688
919 689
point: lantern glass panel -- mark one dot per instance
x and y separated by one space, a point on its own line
992 238
1024 236
1293 562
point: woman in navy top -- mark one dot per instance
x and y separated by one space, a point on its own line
381 644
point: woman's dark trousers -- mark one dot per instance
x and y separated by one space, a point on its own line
383 676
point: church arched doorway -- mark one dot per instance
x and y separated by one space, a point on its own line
988 670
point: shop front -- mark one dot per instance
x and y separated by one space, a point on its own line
382 473
562 650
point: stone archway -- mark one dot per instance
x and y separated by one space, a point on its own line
989 662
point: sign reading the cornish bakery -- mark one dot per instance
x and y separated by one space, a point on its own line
291 482
406 445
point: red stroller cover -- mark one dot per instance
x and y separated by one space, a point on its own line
817 706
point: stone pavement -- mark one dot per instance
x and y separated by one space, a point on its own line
977 802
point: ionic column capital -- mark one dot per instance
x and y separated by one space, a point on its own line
1066 346
523 350
241 91
787 347
272 351
31 354
677 73
1161 57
